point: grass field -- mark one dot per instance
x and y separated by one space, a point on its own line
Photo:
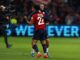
60 49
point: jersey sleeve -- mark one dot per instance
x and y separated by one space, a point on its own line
33 18
46 18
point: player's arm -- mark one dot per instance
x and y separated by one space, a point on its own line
47 23
46 20
29 22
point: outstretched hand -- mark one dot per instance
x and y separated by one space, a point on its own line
25 17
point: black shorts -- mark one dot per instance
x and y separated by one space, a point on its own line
40 35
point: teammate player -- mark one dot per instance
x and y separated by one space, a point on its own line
39 33
42 9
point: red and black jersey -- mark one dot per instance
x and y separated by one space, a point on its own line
38 21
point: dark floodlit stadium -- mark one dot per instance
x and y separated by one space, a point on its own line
39 29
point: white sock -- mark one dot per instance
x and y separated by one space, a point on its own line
47 50
33 51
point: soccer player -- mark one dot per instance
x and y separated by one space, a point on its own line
39 33
42 9
3 22
3 31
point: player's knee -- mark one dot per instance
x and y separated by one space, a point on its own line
34 42
44 42
33 46
47 41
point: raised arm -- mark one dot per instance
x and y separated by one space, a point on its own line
29 22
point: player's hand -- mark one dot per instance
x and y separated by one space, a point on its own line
47 23
25 17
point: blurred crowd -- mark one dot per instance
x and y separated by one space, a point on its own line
59 11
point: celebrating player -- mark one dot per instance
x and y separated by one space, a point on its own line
42 9
39 33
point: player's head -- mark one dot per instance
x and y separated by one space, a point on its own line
42 6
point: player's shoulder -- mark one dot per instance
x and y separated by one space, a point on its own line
34 15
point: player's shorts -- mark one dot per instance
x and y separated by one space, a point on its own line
40 35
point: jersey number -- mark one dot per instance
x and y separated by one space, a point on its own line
41 21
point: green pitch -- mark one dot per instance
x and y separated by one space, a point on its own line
60 49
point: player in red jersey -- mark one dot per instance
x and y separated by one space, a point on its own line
39 32
42 9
